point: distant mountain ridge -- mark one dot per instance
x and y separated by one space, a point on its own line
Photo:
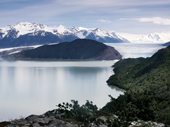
80 49
166 44
27 34
158 38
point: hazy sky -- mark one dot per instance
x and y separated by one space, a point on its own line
128 16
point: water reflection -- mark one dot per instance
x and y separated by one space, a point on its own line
28 87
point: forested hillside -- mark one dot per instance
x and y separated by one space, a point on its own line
148 88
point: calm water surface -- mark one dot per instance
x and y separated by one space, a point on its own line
34 87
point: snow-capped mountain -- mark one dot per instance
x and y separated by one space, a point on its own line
27 34
98 34
27 27
150 38
156 37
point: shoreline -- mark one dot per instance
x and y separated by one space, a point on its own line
59 60
117 88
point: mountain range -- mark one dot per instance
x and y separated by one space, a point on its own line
27 34
158 38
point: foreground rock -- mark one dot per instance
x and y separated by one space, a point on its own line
55 118
50 119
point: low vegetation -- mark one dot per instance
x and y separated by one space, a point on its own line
88 114
3 124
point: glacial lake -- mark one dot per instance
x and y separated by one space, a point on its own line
34 87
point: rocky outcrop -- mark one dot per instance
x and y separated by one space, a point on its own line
50 119
109 54
55 119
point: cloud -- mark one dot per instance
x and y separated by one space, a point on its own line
85 13
5 1
125 19
105 21
156 20
113 2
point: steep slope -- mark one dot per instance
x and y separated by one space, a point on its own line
80 49
148 84
41 37
135 70
7 37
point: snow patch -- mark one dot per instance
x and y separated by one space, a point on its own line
14 52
